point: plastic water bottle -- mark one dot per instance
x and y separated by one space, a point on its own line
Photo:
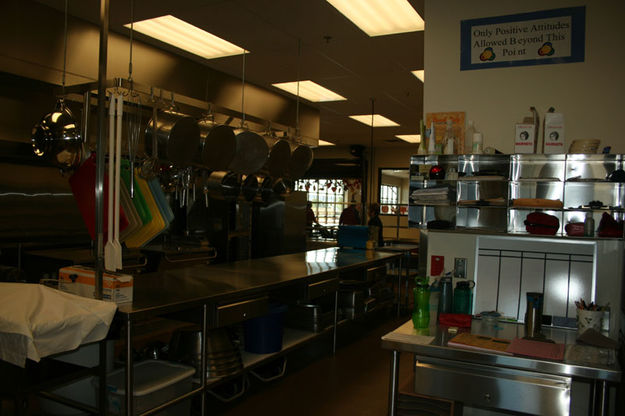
468 138
421 309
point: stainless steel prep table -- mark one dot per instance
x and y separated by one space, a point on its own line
598 365
205 286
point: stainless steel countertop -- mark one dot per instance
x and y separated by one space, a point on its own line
400 247
581 361
187 287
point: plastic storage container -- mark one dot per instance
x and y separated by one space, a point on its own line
156 382
263 335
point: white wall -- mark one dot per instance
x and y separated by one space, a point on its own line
589 93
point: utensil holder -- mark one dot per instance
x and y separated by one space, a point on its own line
589 319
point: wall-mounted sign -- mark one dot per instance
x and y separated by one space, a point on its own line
537 38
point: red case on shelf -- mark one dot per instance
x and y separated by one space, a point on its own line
541 223
574 229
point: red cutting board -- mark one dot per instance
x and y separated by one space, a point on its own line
82 183
536 349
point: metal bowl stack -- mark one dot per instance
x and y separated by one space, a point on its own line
222 356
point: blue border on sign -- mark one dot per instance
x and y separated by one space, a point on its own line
578 35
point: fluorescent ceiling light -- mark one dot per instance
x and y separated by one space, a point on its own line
419 74
410 138
380 17
324 143
378 120
310 91
185 36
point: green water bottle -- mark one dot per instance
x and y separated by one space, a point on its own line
421 309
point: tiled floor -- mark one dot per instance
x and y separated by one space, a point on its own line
351 383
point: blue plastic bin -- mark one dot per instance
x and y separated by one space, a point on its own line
263 335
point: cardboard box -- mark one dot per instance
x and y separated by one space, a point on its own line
525 138
80 280
553 141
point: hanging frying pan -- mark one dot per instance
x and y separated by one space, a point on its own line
279 157
217 146
266 189
301 159
177 138
251 154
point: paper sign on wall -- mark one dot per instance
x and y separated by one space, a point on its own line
536 38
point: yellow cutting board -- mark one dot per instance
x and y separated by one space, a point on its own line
152 228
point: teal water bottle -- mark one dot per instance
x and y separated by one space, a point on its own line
421 309
463 296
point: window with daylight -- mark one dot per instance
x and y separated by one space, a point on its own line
389 195
328 197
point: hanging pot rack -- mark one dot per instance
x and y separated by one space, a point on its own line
154 96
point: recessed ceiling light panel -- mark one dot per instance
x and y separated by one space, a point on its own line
380 17
310 91
420 73
185 36
410 138
378 120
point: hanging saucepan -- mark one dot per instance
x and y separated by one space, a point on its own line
279 157
177 138
266 189
222 185
251 153
57 139
249 188
217 146
301 159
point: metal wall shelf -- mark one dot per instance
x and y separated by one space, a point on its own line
572 179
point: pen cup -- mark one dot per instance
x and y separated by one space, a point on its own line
589 319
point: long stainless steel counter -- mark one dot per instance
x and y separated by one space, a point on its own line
231 290
177 289
599 365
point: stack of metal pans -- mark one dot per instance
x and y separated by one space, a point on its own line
222 356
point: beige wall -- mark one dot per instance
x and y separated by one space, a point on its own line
589 93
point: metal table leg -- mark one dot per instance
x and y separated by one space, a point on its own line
203 360
600 403
129 371
336 319
393 385
399 271
407 267
102 400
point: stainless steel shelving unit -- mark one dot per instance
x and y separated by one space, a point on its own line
482 197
